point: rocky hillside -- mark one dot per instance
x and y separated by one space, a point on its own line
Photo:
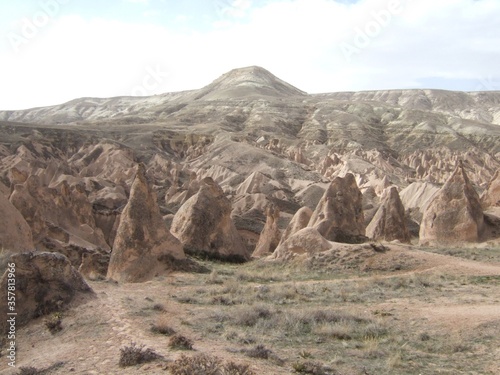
260 139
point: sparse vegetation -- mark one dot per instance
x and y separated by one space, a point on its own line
54 323
134 354
204 364
162 327
180 342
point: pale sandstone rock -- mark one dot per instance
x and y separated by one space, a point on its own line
491 197
389 222
339 214
270 235
143 246
299 221
454 214
204 226
307 241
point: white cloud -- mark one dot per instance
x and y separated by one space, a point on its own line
298 40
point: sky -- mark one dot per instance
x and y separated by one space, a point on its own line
53 51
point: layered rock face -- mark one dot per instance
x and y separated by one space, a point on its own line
389 222
270 235
339 214
45 282
15 233
454 215
204 226
143 245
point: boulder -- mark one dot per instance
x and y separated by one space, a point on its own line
339 214
204 226
454 215
389 222
306 241
298 222
143 247
491 196
270 236
45 282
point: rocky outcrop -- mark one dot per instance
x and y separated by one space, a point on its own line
299 221
66 207
491 197
270 235
15 233
204 226
339 214
454 215
307 241
389 222
45 282
143 247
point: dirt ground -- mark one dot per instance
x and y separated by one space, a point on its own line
441 316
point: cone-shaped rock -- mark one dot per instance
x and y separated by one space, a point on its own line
45 282
339 214
491 196
143 245
204 226
306 241
270 235
15 233
389 222
298 222
454 214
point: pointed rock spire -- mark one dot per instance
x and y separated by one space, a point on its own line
143 245
454 214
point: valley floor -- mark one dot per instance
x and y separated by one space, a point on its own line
437 314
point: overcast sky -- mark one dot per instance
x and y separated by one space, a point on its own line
52 51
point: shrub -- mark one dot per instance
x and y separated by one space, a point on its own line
54 323
134 355
260 351
161 327
309 367
180 342
28 371
203 364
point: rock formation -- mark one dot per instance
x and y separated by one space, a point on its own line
389 222
204 226
339 214
143 245
454 214
306 241
270 235
45 282
298 222
66 207
15 233
491 197
94 265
